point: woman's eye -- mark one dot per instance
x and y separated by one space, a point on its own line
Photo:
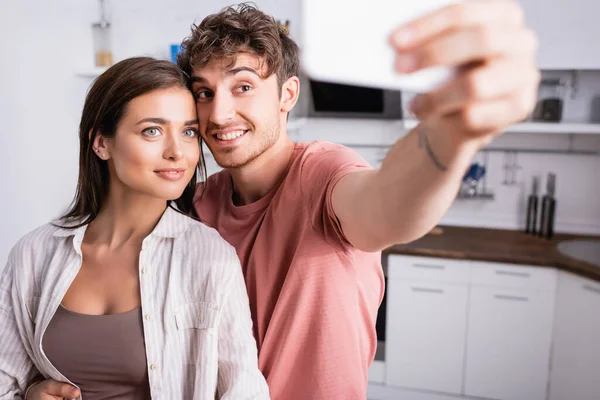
190 133
151 132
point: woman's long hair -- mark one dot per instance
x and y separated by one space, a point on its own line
104 107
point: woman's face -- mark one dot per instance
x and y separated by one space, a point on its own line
155 150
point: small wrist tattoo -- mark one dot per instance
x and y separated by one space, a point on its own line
424 142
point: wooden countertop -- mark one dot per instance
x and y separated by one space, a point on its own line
498 245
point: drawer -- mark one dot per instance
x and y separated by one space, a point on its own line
513 276
428 269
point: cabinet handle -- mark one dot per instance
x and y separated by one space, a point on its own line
513 273
427 290
591 288
514 298
429 266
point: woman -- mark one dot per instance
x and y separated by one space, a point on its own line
126 297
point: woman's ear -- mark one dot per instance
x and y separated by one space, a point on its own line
100 146
290 91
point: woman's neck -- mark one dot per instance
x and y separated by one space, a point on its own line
125 218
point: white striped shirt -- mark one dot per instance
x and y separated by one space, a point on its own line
197 324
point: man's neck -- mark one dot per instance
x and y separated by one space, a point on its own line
254 180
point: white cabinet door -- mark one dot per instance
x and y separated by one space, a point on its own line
425 334
576 350
508 343
568 32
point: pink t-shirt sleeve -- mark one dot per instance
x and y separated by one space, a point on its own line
321 170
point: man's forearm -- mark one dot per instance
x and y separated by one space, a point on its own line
417 182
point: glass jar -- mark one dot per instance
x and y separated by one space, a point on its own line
102 45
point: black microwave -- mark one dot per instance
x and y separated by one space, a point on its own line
334 100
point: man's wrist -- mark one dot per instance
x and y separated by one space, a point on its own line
446 148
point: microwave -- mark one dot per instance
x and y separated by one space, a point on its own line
335 100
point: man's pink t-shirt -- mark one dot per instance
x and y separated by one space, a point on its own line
313 297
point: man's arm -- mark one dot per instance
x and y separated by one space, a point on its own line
495 86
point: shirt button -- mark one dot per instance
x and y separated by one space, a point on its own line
144 271
148 317
154 367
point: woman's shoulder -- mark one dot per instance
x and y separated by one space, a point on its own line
36 241
32 253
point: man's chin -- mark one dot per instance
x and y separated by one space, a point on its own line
230 161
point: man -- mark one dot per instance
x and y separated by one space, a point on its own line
309 220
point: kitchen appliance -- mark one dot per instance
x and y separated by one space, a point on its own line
550 105
334 100
551 110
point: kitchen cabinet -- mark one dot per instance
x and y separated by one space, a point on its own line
576 349
567 32
426 323
509 336
511 311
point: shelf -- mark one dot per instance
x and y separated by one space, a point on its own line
539 127
476 196
91 72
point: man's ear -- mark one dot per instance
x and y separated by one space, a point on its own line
290 90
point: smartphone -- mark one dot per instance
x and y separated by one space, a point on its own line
348 43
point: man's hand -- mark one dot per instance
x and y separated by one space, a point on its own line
52 390
494 53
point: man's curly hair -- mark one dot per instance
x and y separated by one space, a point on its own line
240 28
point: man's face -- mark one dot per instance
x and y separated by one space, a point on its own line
240 113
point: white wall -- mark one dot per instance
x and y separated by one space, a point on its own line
41 43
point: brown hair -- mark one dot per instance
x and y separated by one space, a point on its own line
241 28
105 105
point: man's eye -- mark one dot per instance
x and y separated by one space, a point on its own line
204 94
244 88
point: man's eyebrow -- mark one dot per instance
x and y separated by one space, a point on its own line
231 72
237 70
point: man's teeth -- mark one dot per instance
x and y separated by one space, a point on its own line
230 135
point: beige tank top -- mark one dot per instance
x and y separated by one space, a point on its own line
104 355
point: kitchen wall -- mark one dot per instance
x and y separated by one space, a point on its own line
44 45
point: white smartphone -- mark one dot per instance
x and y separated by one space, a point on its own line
348 42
